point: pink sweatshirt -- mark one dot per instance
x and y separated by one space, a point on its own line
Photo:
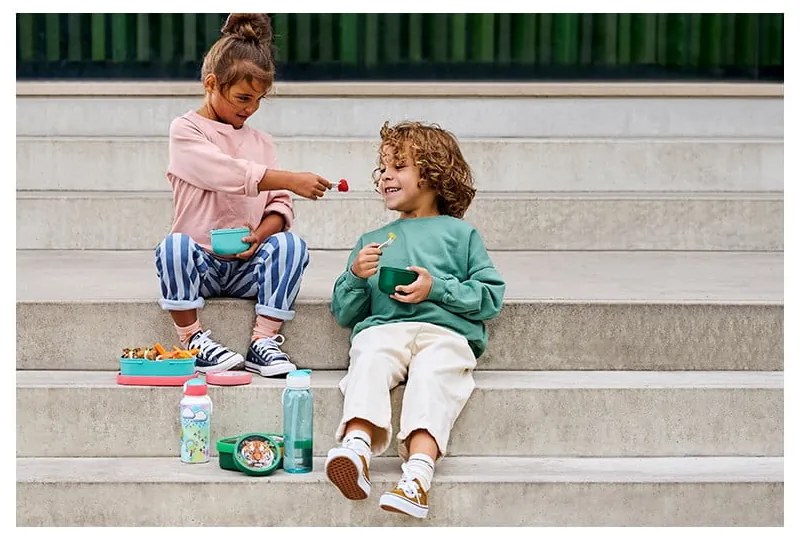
214 170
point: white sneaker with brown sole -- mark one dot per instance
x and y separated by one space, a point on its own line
348 471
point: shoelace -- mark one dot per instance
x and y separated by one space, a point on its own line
268 348
407 483
205 343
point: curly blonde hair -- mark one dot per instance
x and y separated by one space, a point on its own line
436 153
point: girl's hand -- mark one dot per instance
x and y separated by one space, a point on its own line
417 291
254 242
309 185
366 262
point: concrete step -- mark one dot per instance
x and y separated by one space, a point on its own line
132 115
689 491
563 311
548 413
507 164
539 221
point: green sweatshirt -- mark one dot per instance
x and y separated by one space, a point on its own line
467 289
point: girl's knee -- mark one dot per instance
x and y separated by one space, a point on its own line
176 255
291 241
172 242
296 240
287 247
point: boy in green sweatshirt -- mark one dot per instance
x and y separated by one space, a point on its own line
427 334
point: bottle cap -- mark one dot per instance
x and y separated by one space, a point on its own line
195 387
299 379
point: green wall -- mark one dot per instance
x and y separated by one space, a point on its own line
323 46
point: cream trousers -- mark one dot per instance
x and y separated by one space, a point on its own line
436 364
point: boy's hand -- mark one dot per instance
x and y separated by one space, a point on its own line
366 262
309 185
417 291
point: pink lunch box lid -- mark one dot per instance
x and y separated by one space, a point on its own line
153 380
229 378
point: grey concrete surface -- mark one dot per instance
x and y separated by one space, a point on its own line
539 221
504 164
563 310
725 277
618 353
466 117
508 491
636 470
527 335
533 414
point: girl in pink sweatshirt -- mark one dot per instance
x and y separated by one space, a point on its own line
224 174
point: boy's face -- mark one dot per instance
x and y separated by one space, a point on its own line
239 102
399 184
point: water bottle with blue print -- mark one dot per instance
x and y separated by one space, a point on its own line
195 417
298 422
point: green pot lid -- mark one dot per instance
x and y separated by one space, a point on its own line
257 454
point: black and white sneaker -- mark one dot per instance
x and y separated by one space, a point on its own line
213 356
267 359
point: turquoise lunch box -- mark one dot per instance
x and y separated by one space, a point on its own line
229 241
156 368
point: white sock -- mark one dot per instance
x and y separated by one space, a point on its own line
421 467
359 441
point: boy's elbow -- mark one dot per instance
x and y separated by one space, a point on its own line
491 310
341 321
497 303
340 317
337 314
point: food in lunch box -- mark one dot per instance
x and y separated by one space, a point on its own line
158 352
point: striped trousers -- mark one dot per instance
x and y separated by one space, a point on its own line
188 274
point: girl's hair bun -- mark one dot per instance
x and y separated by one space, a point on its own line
249 26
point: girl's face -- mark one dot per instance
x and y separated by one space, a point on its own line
402 188
237 103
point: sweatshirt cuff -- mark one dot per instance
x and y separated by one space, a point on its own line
253 178
353 281
279 207
437 290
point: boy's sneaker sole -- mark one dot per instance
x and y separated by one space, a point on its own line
270 371
401 505
344 468
231 363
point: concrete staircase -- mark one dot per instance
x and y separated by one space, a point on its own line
634 377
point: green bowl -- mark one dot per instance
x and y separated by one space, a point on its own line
225 449
228 459
390 277
229 241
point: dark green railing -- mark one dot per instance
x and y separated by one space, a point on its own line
320 46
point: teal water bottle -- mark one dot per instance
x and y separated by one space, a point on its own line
298 422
